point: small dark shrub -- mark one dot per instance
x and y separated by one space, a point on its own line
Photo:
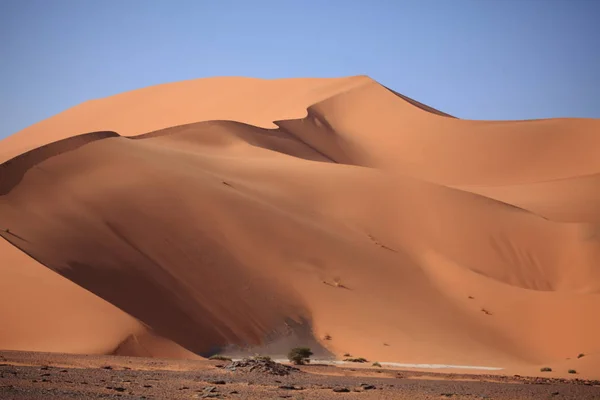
581 355
572 371
546 369
356 360
376 364
300 355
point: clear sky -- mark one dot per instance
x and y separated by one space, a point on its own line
476 59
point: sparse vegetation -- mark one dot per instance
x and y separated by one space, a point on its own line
356 360
347 355
218 357
572 371
327 337
300 355
581 355
376 364
546 369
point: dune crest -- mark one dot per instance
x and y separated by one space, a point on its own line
217 217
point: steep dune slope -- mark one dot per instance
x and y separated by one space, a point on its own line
40 310
366 217
390 133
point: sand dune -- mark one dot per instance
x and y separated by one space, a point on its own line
209 213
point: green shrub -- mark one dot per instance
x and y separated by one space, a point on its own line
300 355
546 369
376 364
572 371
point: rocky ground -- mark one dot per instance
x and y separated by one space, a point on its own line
45 376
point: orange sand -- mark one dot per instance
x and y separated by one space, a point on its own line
458 242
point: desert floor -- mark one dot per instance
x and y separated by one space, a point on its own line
30 375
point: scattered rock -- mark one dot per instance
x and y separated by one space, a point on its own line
291 387
341 390
261 365
209 392
367 386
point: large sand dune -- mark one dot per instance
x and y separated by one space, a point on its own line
186 217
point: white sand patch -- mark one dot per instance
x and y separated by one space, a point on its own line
402 365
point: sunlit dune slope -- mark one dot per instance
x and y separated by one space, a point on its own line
404 234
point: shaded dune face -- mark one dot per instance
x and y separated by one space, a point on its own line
349 212
155 257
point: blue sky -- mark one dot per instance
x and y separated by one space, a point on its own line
476 59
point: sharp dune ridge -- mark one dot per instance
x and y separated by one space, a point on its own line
202 214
